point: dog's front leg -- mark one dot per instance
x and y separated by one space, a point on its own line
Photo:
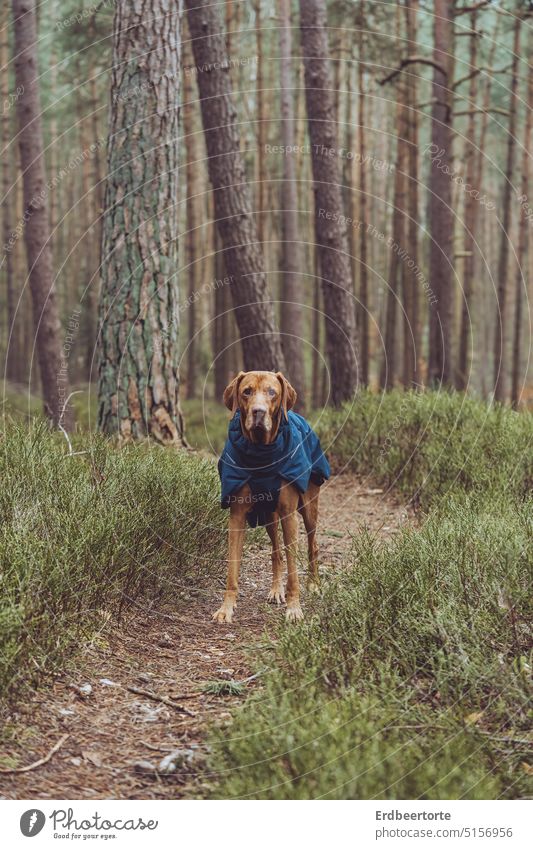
237 522
277 593
288 511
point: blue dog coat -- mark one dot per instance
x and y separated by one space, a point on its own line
295 456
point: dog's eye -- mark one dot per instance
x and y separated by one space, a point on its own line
247 391
272 393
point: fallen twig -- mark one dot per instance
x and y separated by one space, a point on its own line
163 699
158 748
40 762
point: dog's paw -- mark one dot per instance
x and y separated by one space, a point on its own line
313 586
223 614
276 596
294 613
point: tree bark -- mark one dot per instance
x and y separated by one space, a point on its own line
138 364
192 218
412 331
463 366
243 256
95 180
500 330
388 369
363 269
47 327
291 313
262 183
522 249
440 198
12 349
330 225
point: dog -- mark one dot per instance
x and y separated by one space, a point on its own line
271 468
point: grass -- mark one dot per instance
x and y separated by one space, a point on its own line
411 676
83 537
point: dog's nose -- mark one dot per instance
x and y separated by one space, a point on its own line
259 414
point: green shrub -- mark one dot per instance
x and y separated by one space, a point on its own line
411 676
405 679
426 445
83 536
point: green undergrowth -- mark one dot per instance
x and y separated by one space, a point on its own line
411 674
83 537
425 445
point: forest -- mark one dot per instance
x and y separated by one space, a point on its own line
333 189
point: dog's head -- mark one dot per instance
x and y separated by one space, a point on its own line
262 398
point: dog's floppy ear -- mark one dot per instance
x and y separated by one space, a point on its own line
288 394
231 392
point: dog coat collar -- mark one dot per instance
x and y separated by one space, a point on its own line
294 456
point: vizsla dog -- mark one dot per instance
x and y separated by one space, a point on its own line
271 468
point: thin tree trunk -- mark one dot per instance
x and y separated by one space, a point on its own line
330 226
500 331
388 368
12 349
193 223
138 366
47 327
463 370
95 179
479 163
412 330
363 270
291 313
244 260
224 335
262 184
440 198
522 249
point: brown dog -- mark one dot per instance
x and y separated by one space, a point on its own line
263 398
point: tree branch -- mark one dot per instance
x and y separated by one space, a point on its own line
411 60
467 10
40 762
473 73
495 109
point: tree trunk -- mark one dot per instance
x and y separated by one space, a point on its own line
330 225
191 154
291 313
471 203
95 180
363 270
440 198
262 184
224 336
388 370
522 249
47 327
243 256
500 331
138 365
412 331
12 347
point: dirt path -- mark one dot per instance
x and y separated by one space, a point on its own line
112 730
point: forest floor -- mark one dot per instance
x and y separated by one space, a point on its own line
117 736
